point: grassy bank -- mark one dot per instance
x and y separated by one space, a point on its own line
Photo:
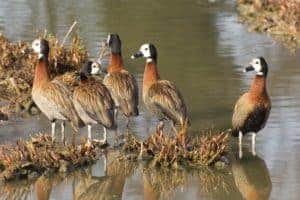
280 18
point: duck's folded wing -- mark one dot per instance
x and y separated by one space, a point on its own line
166 97
249 116
124 89
95 100
60 97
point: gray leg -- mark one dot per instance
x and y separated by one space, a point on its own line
62 125
104 136
105 163
53 130
127 122
173 127
142 149
240 144
104 140
89 139
160 127
253 144
116 114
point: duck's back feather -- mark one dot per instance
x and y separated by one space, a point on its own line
94 104
164 99
124 91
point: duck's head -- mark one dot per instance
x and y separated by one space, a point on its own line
259 65
90 68
147 51
114 43
41 47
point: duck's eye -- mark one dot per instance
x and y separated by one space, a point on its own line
36 44
257 62
146 49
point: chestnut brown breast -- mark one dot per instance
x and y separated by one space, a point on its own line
252 109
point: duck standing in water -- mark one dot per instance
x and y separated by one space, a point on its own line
121 84
161 97
93 102
252 109
52 97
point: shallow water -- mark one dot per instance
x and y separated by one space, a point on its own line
200 46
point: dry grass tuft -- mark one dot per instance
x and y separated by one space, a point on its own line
39 155
166 151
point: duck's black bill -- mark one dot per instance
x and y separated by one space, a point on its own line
137 55
28 50
249 68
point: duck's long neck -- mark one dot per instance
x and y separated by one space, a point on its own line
258 87
115 63
150 74
41 74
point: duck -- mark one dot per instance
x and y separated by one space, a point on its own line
161 97
252 109
121 83
93 102
51 96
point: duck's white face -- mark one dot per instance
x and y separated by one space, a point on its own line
256 64
95 68
145 49
36 46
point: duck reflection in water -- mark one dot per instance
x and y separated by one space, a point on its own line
43 188
109 186
163 184
251 177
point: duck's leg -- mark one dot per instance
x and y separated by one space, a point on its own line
104 140
127 122
160 127
116 114
253 144
173 127
142 149
62 125
105 163
53 130
240 144
89 139
116 137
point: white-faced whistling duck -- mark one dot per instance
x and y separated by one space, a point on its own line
52 97
161 97
252 109
121 84
93 102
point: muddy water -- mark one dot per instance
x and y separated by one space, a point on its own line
200 46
